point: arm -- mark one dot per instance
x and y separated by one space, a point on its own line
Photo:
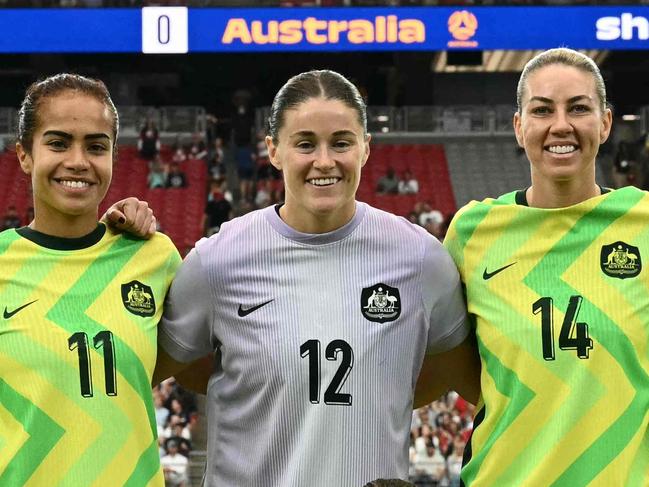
186 344
457 369
451 360
193 376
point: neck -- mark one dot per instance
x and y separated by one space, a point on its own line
560 194
64 226
321 223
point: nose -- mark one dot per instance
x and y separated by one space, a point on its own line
561 123
78 159
323 159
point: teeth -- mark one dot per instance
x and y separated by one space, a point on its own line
562 149
75 184
323 181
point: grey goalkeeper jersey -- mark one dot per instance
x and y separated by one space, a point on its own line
319 341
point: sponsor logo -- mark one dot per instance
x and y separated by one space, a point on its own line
462 25
245 312
625 27
486 275
380 303
8 314
381 29
620 260
138 298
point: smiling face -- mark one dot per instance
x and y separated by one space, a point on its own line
321 148
70 163
561 125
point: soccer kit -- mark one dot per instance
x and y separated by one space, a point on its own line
560 299
319 341
77 351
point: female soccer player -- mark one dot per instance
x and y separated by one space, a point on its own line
320 311
80 306
555 282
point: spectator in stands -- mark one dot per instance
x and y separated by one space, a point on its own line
551 257
430 466
161 412
408 184
179 156
242 120
454 461
149 142
264 167
428 215
388 183
174 466
215 159
11 219
157 177
176 178
251 285
197 148
218 209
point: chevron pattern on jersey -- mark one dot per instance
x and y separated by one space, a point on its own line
564 345
105 432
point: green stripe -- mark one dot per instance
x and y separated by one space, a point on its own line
6 239
147 466
505 380
69 314
43 432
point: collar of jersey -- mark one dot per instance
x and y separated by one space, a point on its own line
272 216
61 243
521 196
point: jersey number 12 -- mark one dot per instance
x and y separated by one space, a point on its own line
311 349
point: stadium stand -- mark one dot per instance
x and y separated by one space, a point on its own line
428 164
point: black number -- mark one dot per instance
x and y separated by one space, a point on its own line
573 334
80 341
103 339
164 24
312 349
332 395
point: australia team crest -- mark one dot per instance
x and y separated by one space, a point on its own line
620 260
380 303
138 298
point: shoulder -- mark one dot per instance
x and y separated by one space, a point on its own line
233 231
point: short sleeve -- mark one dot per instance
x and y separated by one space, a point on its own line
442 294
185 331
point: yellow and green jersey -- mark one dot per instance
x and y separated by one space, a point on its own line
560 301
78 330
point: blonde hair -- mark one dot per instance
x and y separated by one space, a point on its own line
566 57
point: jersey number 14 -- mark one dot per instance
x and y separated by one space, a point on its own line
573 335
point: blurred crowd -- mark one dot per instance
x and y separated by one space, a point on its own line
438 435
176 419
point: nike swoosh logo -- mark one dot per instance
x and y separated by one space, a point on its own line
488 275
245 312
8 314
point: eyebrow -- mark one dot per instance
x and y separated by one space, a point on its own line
68 136
310 133
550 101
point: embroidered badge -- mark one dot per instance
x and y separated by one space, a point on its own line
620 260
380 303
138 298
